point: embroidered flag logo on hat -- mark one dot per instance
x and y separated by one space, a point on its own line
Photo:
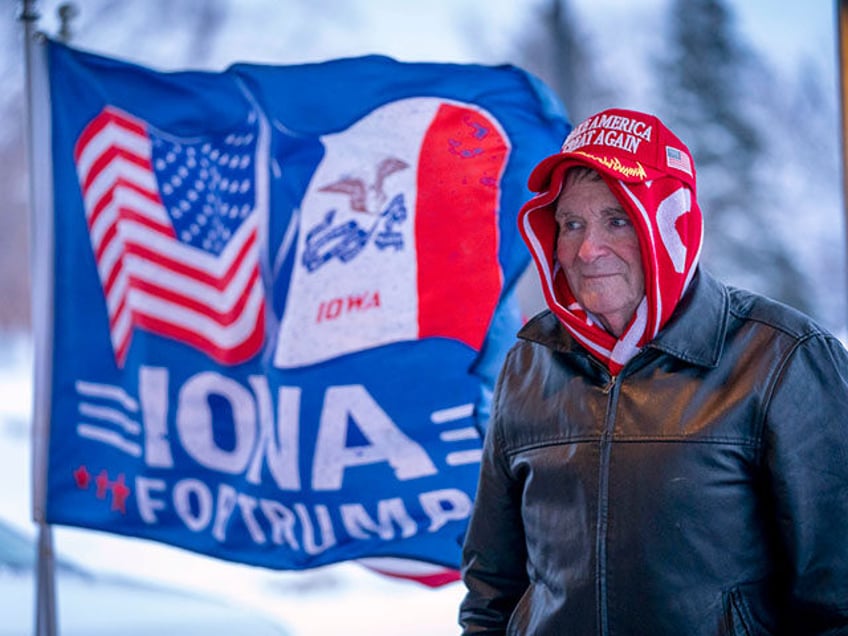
624 144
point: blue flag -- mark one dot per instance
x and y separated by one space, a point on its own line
281 296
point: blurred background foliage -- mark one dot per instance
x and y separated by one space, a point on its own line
765 139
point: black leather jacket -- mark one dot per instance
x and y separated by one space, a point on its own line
703 491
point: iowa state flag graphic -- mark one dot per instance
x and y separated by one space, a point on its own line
281 295
398 225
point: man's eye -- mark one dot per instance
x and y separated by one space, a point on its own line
570 226
621 221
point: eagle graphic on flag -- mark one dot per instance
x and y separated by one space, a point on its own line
173 226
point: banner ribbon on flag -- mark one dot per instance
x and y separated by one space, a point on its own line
282 295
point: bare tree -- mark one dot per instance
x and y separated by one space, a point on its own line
14 235
559 51
156 33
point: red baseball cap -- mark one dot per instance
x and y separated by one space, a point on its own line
623 144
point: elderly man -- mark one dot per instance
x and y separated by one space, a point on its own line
666 455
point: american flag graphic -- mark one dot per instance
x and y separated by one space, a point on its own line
174 230
675 158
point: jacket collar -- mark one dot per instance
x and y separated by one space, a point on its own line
694 333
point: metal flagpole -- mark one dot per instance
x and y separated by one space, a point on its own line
41 250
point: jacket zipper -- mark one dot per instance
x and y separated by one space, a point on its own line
611 389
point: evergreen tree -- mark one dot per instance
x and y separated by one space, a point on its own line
712 89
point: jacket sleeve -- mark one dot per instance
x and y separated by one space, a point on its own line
806 455
494 554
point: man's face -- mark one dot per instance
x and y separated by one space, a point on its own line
598 249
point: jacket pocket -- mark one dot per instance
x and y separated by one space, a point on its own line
740 618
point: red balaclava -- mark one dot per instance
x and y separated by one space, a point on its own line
652 174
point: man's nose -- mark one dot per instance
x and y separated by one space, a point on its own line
594 244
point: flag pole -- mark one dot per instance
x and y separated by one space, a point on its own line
41 249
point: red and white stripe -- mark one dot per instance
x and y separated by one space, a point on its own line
419 571
150 279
